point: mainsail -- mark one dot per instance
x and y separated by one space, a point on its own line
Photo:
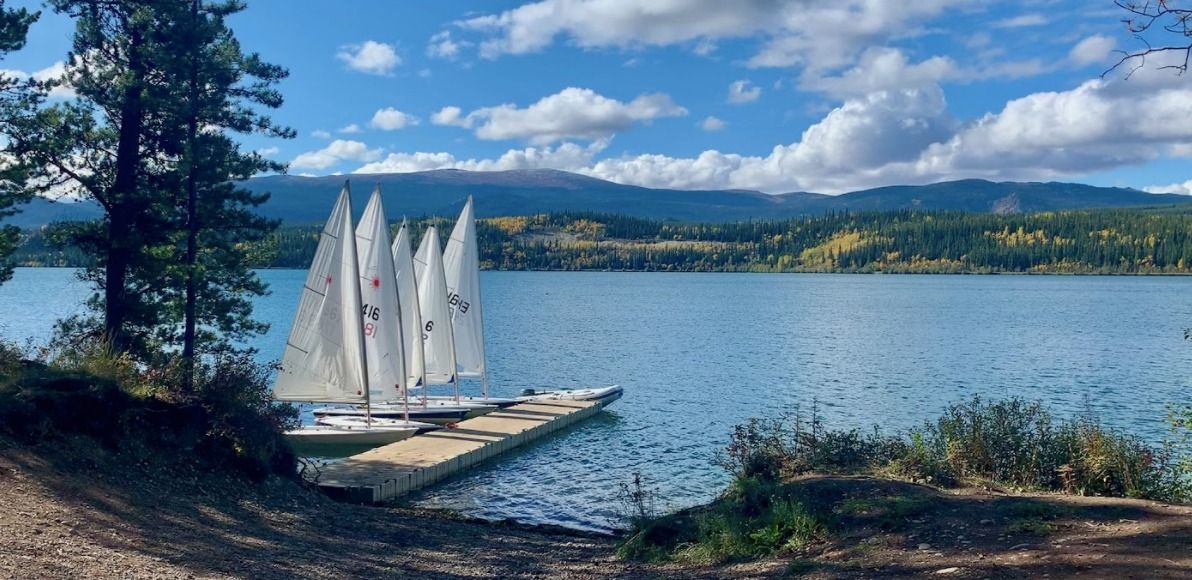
324 357
436 315
380 312
461 264
407 294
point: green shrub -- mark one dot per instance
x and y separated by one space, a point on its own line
1012 442
755 517
227 422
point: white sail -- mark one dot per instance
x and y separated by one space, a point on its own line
407 293
461 264
324 356
439 346
380 312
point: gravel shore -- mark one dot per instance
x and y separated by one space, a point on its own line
73 510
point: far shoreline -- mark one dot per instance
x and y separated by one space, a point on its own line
840 273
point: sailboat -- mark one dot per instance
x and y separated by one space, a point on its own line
438 337
461 265
384 334
325 355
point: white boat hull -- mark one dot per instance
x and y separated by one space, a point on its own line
603 395
330 440
499 402
354 421
439 414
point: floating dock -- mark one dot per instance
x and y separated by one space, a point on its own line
396 469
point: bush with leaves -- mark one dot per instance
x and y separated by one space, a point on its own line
228 421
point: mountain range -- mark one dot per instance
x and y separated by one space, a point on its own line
307 200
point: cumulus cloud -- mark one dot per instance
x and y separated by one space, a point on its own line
572 113
886 68
1092 50
350 129
711 123
372 57
335 152
268 151
817 34
899 135
451 117
881 69
320 134
391 119
442 45
1184 188
740 92
565 156
54 72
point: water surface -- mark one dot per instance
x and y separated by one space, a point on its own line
699 353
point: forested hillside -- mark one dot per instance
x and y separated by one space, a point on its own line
1094 241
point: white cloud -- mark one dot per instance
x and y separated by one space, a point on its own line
320 134
268 151
391 119
335 152
881 69
572 113
906 136
740 92
1184 188
816 34
451 117
443 46
885 68
1092 50
350 129
711 123
704 47
566 156
372 57
54 72
1022 21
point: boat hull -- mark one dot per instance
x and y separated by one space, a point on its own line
355 421
603 395
498 402
438 415
334 441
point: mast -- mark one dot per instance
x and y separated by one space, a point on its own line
363 355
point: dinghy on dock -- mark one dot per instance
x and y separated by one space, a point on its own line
602 395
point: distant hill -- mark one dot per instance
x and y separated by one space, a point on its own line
299 200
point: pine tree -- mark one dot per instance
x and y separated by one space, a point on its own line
17 96
160 86
218 89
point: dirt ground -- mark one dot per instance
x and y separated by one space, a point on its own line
73 511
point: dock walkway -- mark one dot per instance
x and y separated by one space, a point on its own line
391 471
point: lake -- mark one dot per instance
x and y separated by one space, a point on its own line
700 353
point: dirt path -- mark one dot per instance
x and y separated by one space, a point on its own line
62 519
67 515
890 529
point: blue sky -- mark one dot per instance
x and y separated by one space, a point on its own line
770 95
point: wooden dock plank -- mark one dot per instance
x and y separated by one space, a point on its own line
393 470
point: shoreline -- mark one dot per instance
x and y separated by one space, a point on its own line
78 510
784 273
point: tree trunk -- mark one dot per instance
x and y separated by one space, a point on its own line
192 218
122 213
